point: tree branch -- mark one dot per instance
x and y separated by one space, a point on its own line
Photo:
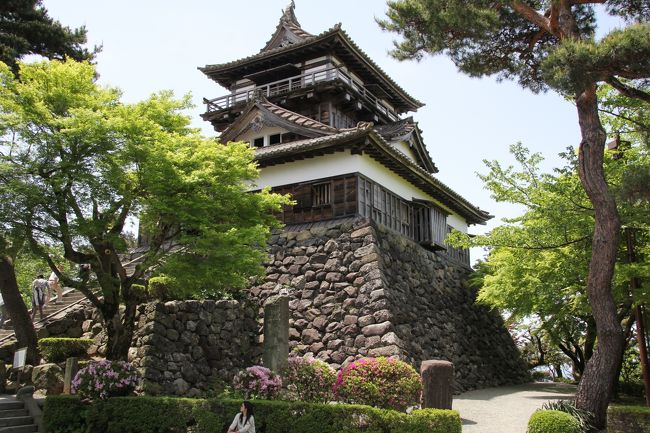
628 91
627 119
586 2
532 15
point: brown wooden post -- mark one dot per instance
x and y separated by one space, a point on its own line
437 379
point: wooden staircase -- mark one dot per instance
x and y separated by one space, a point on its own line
70 297
14 418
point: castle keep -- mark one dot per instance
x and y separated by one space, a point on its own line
363 255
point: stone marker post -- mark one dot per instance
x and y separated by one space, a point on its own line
70 372
437 379
276 332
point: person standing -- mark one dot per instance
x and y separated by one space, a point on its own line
244 421
39 289
3 312
54 285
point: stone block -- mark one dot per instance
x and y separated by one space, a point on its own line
376 329
48 378
276 332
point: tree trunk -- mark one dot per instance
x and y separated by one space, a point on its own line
596 385
15 307
120 333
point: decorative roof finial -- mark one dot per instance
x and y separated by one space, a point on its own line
288 14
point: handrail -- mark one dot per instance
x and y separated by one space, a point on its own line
301 81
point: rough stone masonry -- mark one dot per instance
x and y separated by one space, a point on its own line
357 289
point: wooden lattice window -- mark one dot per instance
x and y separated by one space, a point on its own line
321 194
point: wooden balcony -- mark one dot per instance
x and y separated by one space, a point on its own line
299 82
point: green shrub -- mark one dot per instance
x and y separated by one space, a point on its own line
385 383
65 414
540 376
104 379
59 349
162 287
623 419
257 382
552 421
584 418
140 293
308 379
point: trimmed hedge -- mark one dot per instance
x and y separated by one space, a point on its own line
59 349
623 419
553 421
66 414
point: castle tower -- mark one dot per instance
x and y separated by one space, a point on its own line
326 124
363 255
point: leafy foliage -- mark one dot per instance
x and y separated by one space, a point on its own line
27 29
163 414
538 262
553 421
257 382
308 379
77 164
59 349
381 382
584 418
103 379
550 44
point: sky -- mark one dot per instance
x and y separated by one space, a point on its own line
152 45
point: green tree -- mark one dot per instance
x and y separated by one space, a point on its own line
550 43
79 164
26 28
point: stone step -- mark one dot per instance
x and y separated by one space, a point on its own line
19 429
16 420
10 405
13 412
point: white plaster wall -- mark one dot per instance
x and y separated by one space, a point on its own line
308 169
265 132
341 163
404 147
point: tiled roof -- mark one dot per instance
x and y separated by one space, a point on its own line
287 21
291 147
296 118
402 129
396 129
314 40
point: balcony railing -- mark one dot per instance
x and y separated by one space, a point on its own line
302 81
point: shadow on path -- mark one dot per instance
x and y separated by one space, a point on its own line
506 409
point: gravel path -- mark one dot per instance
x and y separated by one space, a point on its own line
506 409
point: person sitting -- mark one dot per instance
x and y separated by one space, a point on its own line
244 421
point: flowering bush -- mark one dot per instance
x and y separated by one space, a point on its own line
257 382
381 382
308 379
102 379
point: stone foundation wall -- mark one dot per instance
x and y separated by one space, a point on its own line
183 347
355 290
360 290
180 347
